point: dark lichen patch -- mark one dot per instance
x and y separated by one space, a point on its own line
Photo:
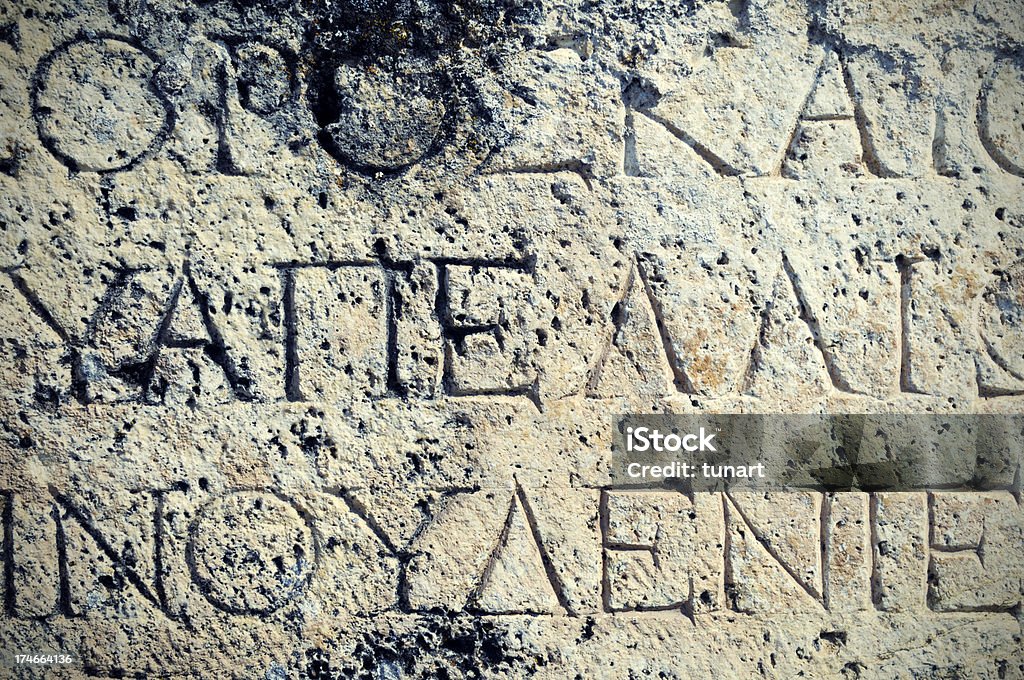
390 83
442 647
379 28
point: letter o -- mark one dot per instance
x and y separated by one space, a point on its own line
250 552
95 105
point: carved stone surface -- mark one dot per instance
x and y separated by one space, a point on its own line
315 317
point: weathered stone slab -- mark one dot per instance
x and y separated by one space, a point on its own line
316 319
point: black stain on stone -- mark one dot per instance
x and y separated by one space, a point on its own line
11 34
408 73
442 647
382 28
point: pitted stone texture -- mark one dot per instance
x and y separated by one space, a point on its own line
315 318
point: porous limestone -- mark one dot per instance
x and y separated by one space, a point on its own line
315 317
